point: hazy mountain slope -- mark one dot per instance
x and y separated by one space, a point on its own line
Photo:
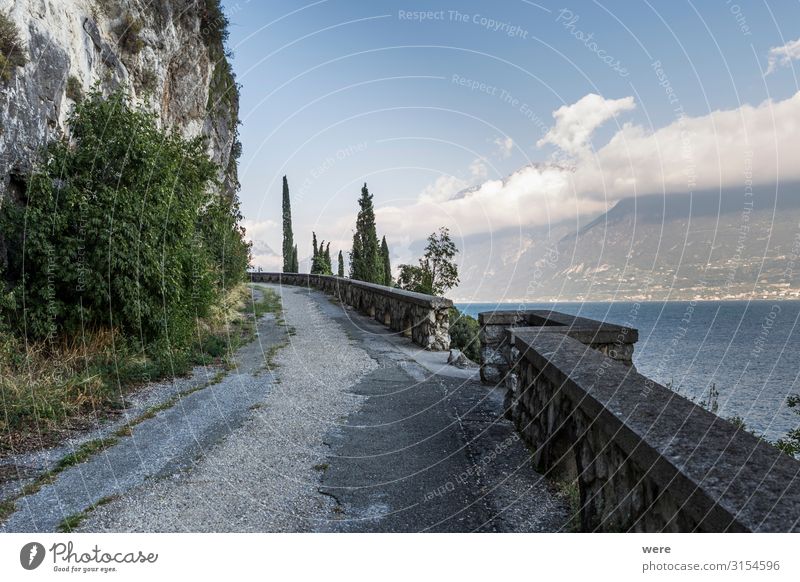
707 245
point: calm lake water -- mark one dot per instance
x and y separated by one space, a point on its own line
749 351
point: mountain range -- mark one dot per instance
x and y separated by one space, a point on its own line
722 244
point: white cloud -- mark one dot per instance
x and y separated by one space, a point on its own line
258 229
478 170
720 149
783 55
576 123
505 146
443 188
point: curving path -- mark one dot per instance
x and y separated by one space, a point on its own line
352 429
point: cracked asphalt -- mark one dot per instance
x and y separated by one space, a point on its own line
355 429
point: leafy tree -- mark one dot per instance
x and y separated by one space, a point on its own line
436 273
120 227
295 263
365 258
288 237
387 264
340 271
790 444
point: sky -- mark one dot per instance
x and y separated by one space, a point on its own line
490 116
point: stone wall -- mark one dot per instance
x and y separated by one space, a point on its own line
645 458
422 318
615 341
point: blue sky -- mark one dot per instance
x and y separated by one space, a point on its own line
338 92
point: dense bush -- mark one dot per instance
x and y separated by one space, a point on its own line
464 334
12 53
120 228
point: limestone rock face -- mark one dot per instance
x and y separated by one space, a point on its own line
160 52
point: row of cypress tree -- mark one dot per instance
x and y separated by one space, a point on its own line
369 259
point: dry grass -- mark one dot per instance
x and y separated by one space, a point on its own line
46 390
42 385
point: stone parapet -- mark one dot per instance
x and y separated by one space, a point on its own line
424 319
644 457
497 329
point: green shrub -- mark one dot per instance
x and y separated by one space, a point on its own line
11 52
464 334
128 31
120 229
74 89
213 23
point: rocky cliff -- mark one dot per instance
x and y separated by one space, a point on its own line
168 55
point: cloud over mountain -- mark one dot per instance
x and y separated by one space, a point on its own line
738 147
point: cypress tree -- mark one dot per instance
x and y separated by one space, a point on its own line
355 256
366 263
316 257
340 271
288 237
387 265
295 264
328 266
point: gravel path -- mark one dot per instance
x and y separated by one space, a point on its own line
265 475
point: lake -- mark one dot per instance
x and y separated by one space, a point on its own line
749 351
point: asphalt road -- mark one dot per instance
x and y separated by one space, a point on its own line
355 429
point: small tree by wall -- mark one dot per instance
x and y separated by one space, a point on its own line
436 272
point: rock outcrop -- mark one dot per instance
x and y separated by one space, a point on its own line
168 55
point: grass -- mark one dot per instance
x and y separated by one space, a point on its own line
570 491
83 452
270 302
73 522
47 389
7 507
90 448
